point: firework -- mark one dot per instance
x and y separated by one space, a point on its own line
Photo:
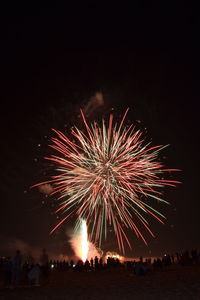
83 248
107 175
80 241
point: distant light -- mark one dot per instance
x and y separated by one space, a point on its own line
52 266
39 145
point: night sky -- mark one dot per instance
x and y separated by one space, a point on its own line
53 59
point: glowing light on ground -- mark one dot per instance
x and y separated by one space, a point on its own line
79 241
82 247
114 255
84 241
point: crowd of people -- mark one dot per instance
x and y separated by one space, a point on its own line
16 269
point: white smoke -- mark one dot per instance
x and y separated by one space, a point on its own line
95 102
9 245
46 189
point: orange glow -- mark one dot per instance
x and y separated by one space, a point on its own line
115 256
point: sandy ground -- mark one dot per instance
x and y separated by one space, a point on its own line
175 283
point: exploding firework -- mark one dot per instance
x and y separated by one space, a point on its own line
107 175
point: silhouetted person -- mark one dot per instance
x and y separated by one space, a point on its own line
172 258
79 265
44 261
101 263
178 257
87 265
30 259
65 265
33 275
194 255
16 269
7 269
92 263
96 262
71 264
140 268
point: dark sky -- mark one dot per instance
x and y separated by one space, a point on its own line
53 59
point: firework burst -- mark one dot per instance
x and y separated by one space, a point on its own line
107 175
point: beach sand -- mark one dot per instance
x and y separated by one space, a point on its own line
177 282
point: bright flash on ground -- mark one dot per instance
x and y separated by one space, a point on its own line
83 248
84 241
79 241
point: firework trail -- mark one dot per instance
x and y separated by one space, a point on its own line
108 176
